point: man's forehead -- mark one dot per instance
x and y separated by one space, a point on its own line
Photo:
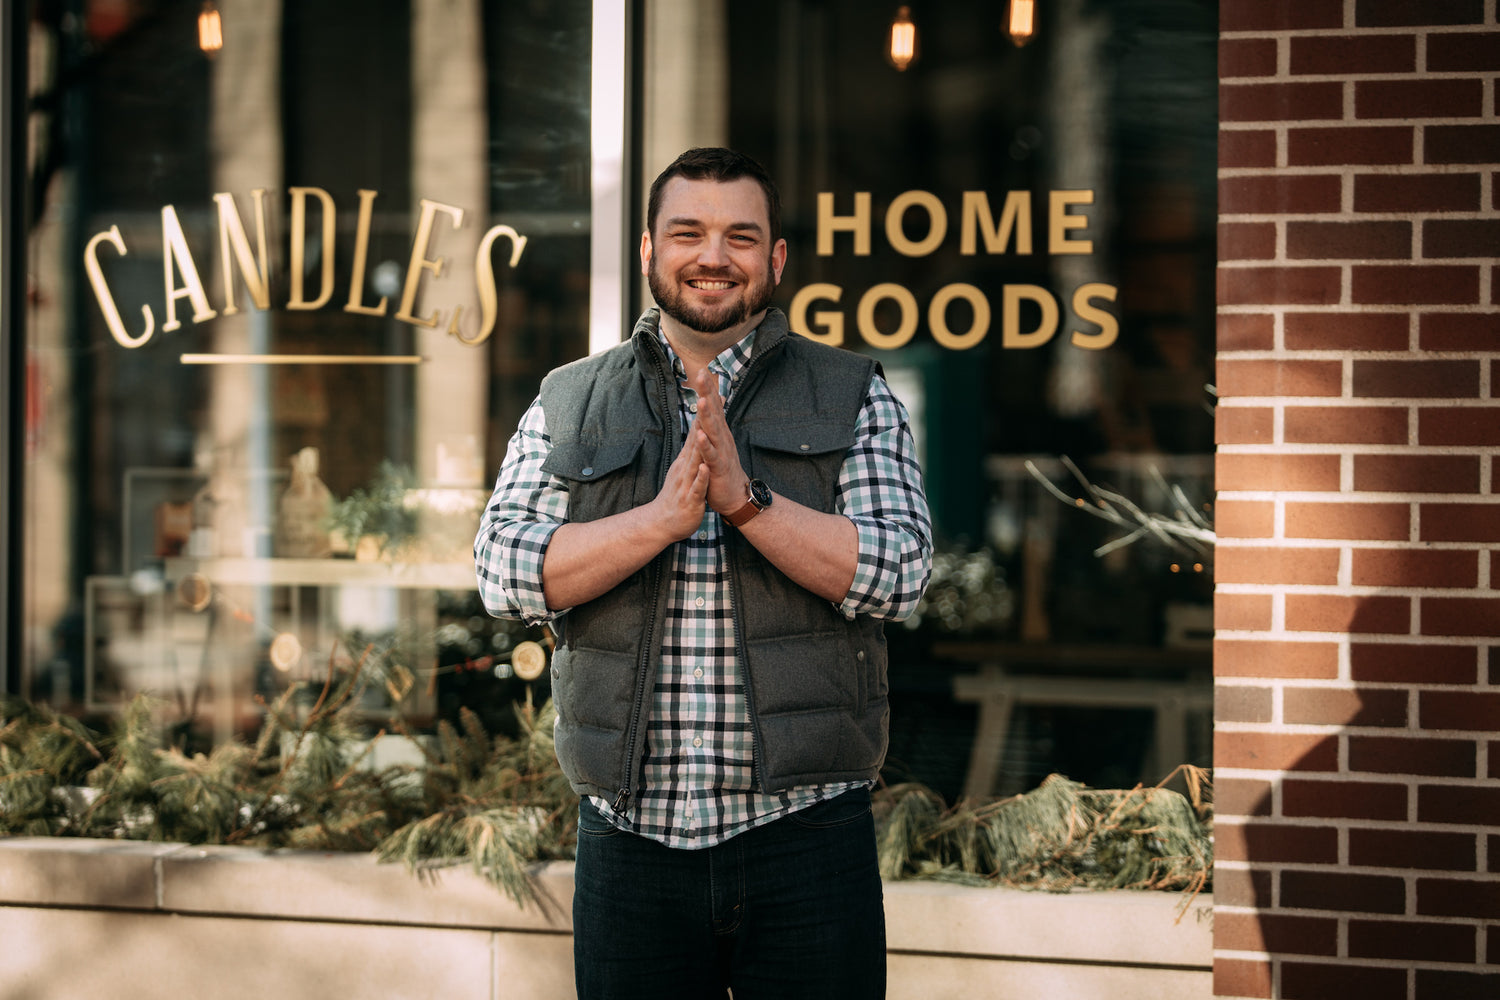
741 200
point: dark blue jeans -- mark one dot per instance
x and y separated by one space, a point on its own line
790 909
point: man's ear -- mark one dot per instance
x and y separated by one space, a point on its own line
646 252
778 259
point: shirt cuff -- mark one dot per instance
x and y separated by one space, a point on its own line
522 574
872 585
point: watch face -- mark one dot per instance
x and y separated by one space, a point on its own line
760 493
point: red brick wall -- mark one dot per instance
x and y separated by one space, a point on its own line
1357 744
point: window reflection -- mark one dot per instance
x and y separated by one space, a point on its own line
1057 201
363 234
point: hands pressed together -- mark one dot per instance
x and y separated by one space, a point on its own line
707 471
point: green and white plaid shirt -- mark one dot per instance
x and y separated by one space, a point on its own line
697 788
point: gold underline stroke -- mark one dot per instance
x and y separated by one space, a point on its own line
301 359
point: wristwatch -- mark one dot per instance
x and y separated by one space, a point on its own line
758 500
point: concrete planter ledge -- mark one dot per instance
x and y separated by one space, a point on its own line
139 921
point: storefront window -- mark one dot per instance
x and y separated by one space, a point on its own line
290 292
1021 229
295 271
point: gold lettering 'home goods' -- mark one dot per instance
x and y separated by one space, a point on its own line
1013 233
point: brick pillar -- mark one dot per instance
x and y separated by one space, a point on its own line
1357 742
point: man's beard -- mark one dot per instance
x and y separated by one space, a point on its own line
754 297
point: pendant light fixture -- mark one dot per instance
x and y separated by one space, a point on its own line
1021 25
901 40
210 30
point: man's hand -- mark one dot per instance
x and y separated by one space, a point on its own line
679 505
726 477
586 559
816 550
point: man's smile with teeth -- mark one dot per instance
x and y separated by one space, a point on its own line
710 285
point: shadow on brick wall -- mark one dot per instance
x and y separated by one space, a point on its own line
1358 889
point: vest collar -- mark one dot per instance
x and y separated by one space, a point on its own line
773 330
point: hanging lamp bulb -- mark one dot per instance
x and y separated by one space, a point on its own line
901 40
1021 25
210 30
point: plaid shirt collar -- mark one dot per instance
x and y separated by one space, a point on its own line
728 365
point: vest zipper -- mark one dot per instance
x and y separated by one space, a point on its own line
757 761
643 665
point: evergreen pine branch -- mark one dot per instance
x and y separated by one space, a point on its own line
908 827
1060 836
319 749
25 798
199 798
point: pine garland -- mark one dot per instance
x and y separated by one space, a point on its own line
1061 836
39 753
502 805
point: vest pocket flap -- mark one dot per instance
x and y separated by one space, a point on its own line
808 438
590 461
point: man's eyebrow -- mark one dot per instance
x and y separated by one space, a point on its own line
679 221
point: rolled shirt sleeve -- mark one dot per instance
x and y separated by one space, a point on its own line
880 490
527 506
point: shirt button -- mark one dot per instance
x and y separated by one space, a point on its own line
698 672
697 741
699 602
702 535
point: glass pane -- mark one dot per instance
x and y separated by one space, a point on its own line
290 296
1023 235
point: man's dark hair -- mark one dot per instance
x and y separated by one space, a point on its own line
715 163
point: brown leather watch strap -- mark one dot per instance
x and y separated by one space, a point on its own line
742 516
758 498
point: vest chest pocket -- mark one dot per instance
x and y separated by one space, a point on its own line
800 460
602 476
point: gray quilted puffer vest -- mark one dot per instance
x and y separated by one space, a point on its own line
815 682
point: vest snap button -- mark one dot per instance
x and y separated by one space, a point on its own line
805 447
860 656
589 471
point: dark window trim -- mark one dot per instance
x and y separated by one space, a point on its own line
14 49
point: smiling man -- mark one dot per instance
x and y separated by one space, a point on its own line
716 518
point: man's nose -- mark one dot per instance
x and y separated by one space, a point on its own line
713 253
